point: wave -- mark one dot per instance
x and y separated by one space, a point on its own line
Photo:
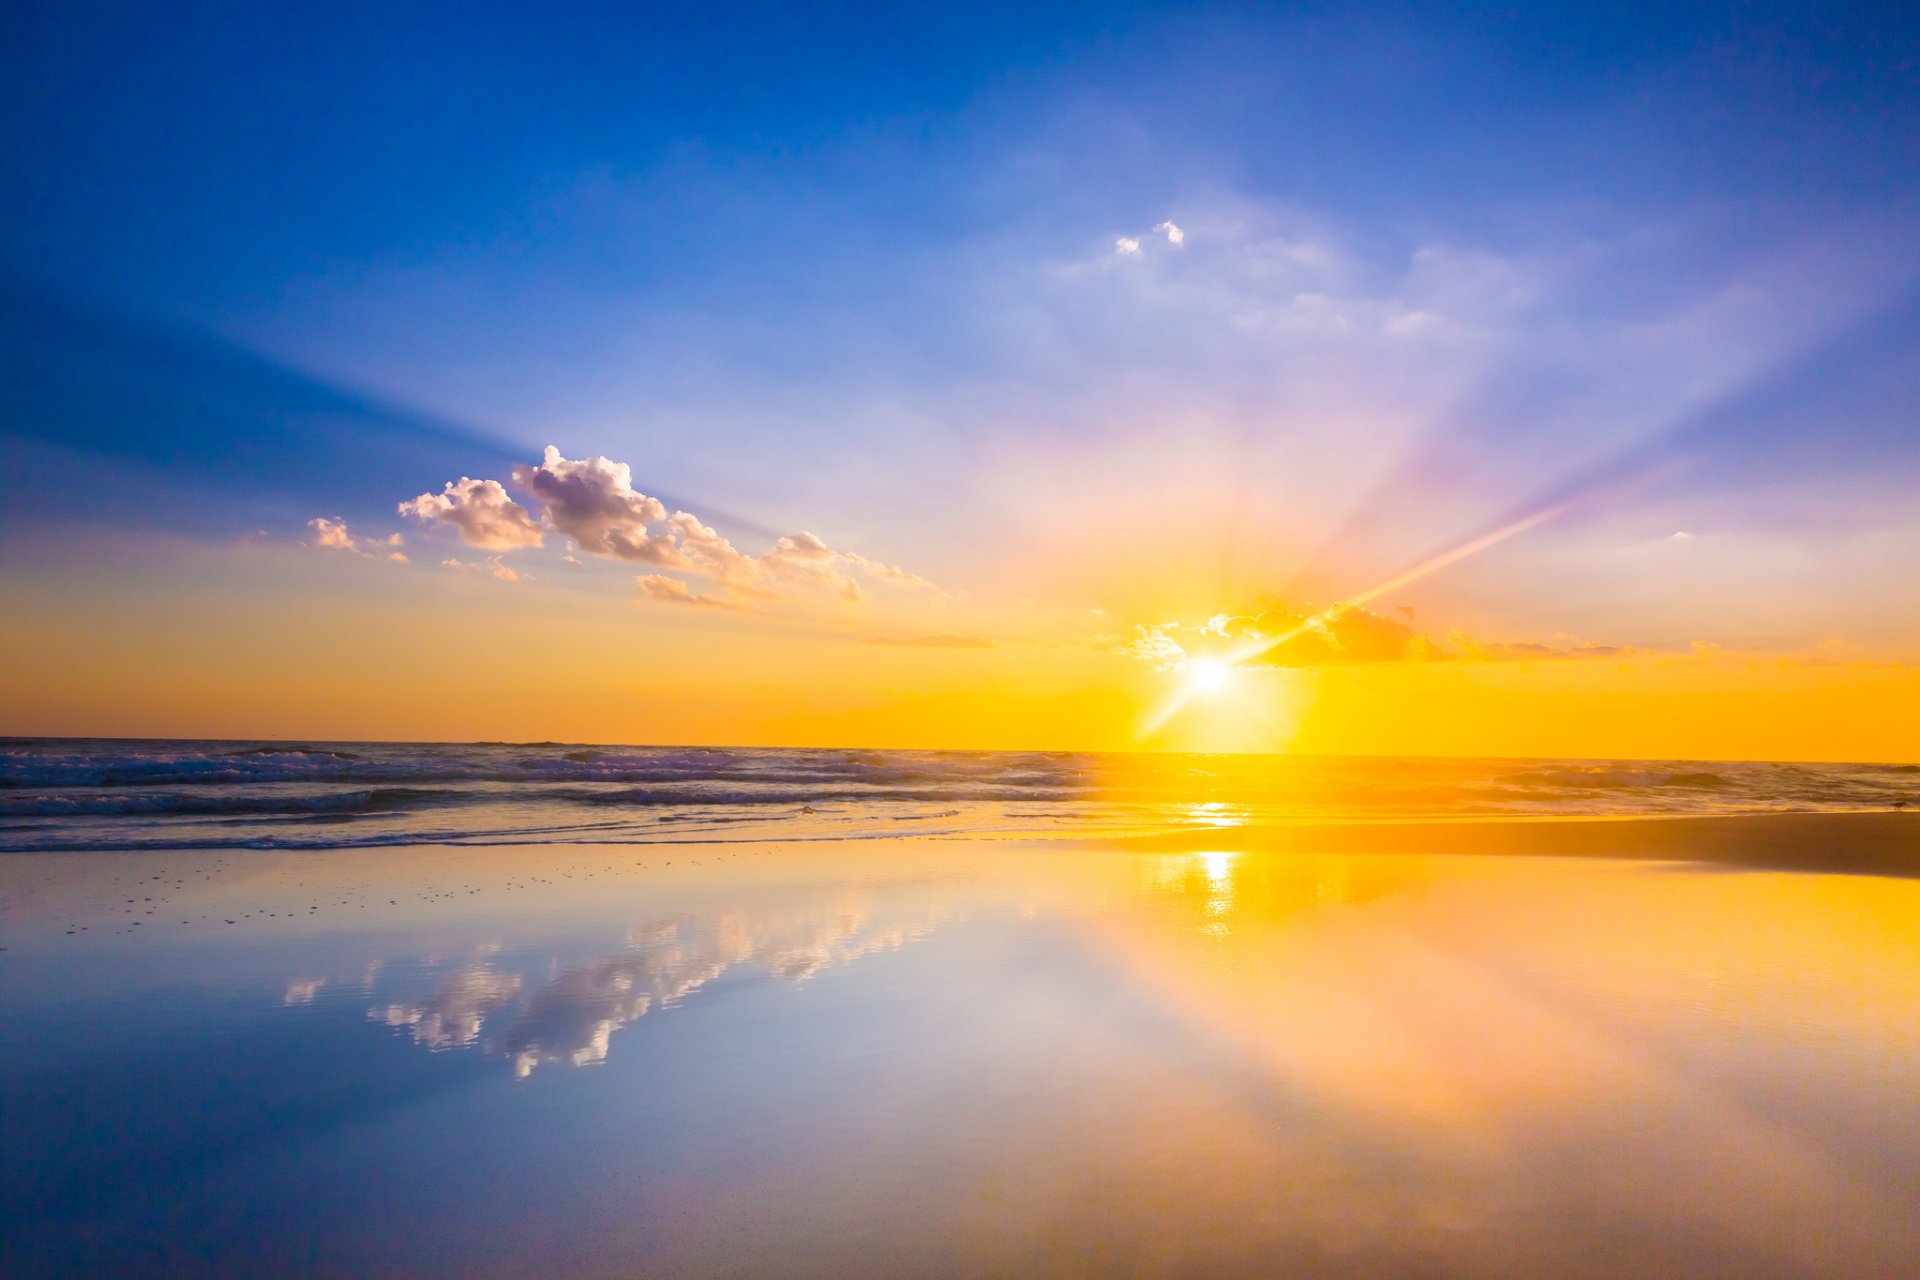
261 765
790 796
97 804
1613 778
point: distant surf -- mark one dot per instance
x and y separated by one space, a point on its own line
82 794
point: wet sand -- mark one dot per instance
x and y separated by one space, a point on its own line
1878 844
1344 1052
101 894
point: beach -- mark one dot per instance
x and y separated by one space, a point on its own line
1579 1047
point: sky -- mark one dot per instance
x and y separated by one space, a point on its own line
1437 379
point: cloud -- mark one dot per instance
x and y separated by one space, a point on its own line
657 586
481 511
455 1012
1294 638
570 1018
1528 651
493 567
885 572
805 560
1153 643
707 552
593 501
302 990
941 641
1131 246
331 534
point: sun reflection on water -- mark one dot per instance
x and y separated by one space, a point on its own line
1219 892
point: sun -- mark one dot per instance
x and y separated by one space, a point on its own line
1208 675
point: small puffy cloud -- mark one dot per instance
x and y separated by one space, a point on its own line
1133 246
481 511
331 534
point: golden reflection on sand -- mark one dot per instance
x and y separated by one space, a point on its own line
1699 1051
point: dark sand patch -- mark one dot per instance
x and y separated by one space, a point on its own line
1879 844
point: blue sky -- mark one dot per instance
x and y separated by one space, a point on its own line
860 270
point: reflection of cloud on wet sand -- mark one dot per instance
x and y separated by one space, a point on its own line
571 1017
453 1014
302 990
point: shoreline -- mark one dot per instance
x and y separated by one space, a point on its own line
41 888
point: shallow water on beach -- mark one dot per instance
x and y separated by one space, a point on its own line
953 1058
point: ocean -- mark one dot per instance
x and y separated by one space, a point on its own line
123 794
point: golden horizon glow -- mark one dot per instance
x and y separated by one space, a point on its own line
273 642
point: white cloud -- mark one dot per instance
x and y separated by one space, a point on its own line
481 511
331 534
1133 246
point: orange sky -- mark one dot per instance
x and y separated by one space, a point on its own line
278 641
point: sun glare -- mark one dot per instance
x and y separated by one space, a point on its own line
1208 675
